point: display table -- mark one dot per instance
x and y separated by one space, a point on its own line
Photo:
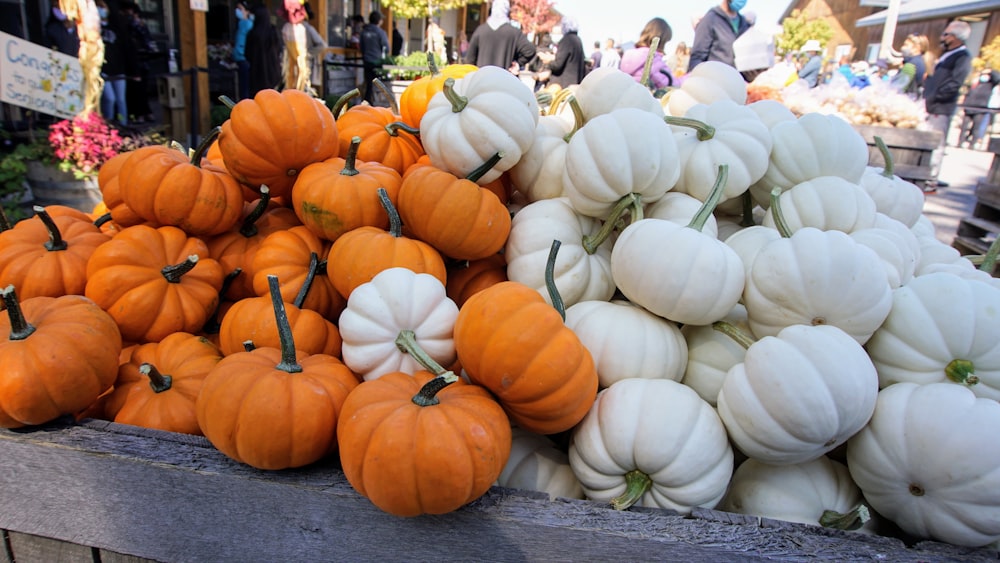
911 150
99 491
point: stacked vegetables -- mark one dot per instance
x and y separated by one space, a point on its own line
682 280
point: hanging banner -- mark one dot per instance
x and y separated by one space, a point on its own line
39 78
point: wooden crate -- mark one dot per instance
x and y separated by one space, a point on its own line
100 491
911 150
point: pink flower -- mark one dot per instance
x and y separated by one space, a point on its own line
82 144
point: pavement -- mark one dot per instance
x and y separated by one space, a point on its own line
962 169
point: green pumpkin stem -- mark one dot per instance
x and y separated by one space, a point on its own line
698 221
734 332
395 222
351 158
458 101
637 484
746 205
213 324
341 103
578 118
227 101
630 202
779 218
249 227
157 380
427 396
432 64
55 241
395 127
20 328
989 262
174 272
300 298
393 106
886 156
646 68
485 167
961 371
289 363
4 221
851 520
703 130
550 279
406 341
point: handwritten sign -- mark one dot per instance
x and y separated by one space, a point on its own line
199 5
39 78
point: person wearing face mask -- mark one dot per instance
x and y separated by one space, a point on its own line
119 62
716 32
244 21
942 88
913 51
60 33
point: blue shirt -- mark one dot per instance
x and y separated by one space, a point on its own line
240 46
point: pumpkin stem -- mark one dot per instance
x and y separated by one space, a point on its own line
310 277
746 217
734 332
886 156
485 167
851 520
961 371
288 362
636 485
351 158
227 101
703 130
174 272
395 222
338 106
249 346
432 64
578 118
205 144
393 129
653 45
55 241
249 227
4 221
393 106
698 221
20 328
779 217
157 380
427 396
550 279
629 202
458 101
989 262
406 341
102 220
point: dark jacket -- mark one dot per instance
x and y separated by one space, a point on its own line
942 88
499 47
979 95
570 64
374 44
263 52
62 38
714 36
920 69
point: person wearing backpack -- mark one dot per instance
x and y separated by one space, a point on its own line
374 48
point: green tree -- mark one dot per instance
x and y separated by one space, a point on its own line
798 28
413 9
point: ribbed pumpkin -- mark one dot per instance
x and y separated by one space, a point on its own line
269 139
107 181
414 99
154 282
47 256
385 139
296 256
253 319
465 279
58 355
340 194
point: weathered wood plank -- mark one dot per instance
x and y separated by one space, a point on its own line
7 556
174 498
29 548
112 557
899 137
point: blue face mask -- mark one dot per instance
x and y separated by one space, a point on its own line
240 14
103 12
737 5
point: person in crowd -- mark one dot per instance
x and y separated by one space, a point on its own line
813 64
374 50
942 88
569 64
498 43
610 56
264 47
357 23
244 22
538 67
678 61
463 46
859 75
119 63
715 33
303 46
634 60
977 117
140 40
594 60
915 51
60 33
397 41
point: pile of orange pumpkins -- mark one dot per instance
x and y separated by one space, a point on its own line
429 291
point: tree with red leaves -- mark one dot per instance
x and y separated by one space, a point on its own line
535 16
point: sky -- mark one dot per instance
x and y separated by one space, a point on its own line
624 19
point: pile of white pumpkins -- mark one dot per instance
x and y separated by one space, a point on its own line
849 358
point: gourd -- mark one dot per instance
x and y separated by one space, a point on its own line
708 82
604 90
295 255
252 319
386 139
895 197
680 208
828 203
536 464
415 97
711 354
539 173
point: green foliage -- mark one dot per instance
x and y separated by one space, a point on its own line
13 175
411 9
414 59
798 28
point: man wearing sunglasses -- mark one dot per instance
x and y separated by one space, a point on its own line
941 91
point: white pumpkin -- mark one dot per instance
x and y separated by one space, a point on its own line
908 235
934 253
942 328
711 353
828 203
771 112
604 90
897 256
708 82
396 300
679 208
627 341
798 395
749 241
535 464
894 196
652 442
928 461
538 175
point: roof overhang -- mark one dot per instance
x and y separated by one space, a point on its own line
917 10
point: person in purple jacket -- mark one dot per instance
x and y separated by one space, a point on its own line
634 60
715 33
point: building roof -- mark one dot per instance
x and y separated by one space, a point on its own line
916 10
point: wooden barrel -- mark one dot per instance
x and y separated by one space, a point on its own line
51 186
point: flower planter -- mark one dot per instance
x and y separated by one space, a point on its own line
52 186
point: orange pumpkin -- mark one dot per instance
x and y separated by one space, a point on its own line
422 444
296 256
465 279
158 385
385 139
154 282
269 139
58 355
511 341
340 194
253 319
414 99
270 409
107 181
